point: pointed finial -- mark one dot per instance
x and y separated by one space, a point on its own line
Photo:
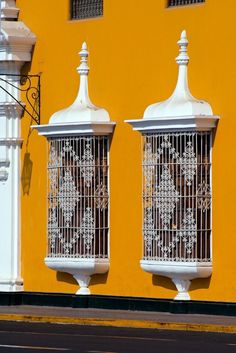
83 69
183 58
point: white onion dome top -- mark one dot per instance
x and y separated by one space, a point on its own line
181 103
82 110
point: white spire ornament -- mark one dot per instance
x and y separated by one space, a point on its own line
82 110
83 70
82 117
181 103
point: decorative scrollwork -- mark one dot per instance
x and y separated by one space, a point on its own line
78 197
68 197
29 89
166 196
177 196
204 196
87 164
101 197
188 163
188 231
87 229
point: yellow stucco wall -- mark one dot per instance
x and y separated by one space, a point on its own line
132 50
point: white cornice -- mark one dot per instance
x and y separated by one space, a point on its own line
183 123
17 41
16 32
11 142
9 10
75 129
11 109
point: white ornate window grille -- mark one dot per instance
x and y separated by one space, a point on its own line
78 197
82 9
177 196
172 3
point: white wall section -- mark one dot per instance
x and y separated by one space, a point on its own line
15 49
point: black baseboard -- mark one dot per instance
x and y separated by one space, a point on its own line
118 303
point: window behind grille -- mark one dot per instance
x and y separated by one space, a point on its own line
82 9
177 196
78 197
173 3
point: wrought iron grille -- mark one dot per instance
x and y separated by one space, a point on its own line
177 196
81 9
172 3
78 197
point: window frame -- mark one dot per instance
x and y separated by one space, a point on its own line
76 17
175 4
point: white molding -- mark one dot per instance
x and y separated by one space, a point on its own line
75 129
81 268
11 142
83 281
12 109
182 288
180 272
13 285
9 10
17 42
4 162
175 123
9 13
3 174
16 48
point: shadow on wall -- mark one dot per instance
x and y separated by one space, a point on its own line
99 279
68 278
200 283
26 173
165 282
33 92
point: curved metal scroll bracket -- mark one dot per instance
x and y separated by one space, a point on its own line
29 86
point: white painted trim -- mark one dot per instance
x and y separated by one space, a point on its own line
83 281
11 285
9 13
180 272
81 269
75 129
11 108
175 123
9 9
3 175
16 48
182 287
11 142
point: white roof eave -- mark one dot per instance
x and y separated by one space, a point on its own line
75 129
178 123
